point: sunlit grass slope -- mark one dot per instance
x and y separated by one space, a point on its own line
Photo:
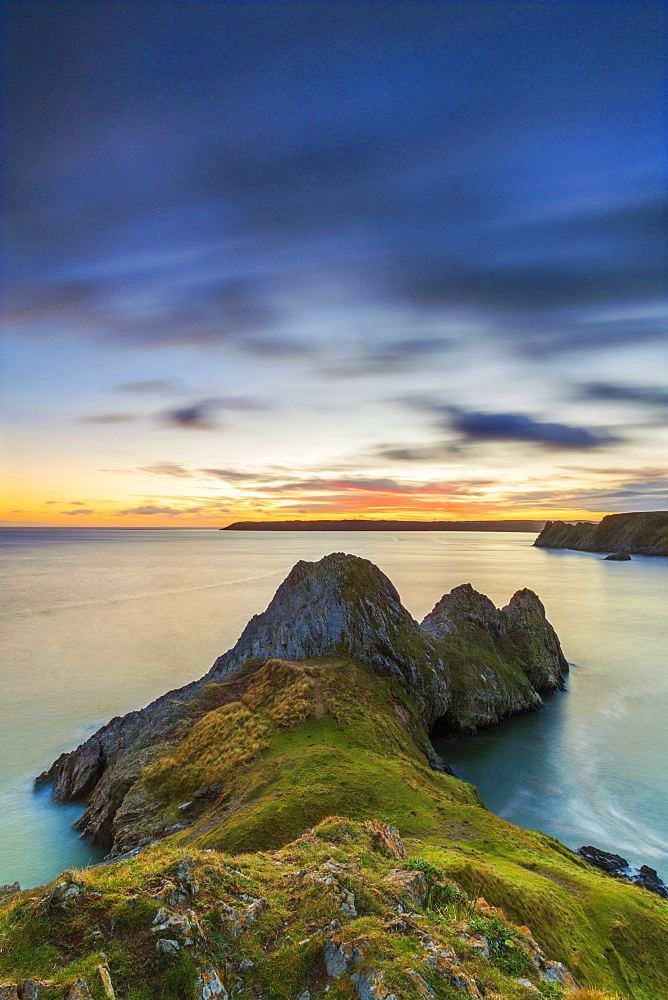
274 753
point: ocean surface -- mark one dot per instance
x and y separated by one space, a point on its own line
98 622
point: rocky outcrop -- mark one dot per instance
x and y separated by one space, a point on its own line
618 867
343 605
468 664
642 534
304 934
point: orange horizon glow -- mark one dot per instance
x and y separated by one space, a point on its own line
37 518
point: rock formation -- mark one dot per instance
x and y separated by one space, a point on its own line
468 665
641 534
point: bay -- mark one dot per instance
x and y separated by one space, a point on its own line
98 622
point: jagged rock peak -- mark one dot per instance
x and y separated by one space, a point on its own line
462 606
342 603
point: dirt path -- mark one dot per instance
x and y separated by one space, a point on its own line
317 697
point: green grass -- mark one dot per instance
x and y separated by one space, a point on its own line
285 769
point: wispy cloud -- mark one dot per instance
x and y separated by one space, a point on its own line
167 469
148 387
160 510
108 418
644 395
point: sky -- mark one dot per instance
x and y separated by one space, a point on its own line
270 259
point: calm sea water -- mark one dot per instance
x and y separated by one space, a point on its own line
96 623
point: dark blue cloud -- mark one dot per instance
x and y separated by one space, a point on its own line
475 425
644 395
520 427
203 415
177 172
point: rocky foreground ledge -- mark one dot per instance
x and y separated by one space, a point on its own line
467 665
621 535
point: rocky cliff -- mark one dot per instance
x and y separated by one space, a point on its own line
467 665
642 534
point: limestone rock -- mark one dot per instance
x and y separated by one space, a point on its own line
330 876
64 892
33 989
341 956
7 891
184 927
618 867
79 990
647 878
618 557
535 644
209 985
167 946
105 977
341 605
387 839
643 533
411 884
234 920
462 607
444 961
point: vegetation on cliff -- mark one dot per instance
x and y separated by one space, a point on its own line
258 892
290 839
642 534
467 665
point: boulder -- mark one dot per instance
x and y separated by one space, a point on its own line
79 990
209 985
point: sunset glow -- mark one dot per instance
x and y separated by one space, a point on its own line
410 264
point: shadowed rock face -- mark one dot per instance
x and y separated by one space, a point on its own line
468 663
643 534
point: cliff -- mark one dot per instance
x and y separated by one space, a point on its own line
642 534
286 837
467 665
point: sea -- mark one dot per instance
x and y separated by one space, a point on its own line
98 622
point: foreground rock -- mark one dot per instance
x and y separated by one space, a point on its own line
623 535
467 665
345 911
618 867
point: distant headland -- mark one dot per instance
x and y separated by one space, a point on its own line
643 533
369 525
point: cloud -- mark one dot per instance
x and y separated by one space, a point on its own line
197 416
363 485
151 509
80 510
388 357
108 418
235 476
167 469
419 452
202 415
645 395
276 346
148 387
476 426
